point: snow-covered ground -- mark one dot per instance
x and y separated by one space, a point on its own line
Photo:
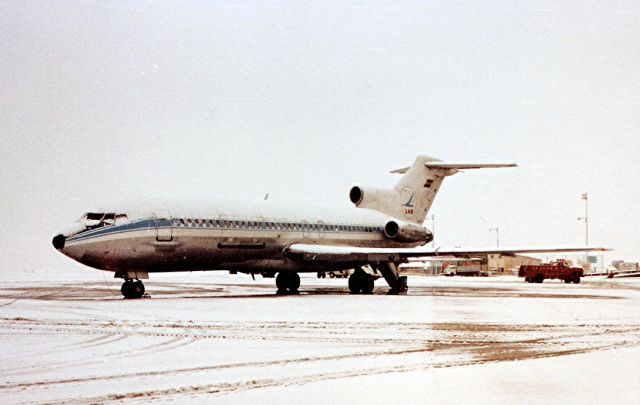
218 338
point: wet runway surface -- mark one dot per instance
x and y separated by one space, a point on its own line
216 337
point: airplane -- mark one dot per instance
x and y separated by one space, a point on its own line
382 231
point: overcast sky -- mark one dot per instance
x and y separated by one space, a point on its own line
112 101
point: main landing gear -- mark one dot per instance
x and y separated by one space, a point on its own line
288 282
361 282
132 289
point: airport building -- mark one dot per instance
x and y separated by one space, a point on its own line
501 264
492 264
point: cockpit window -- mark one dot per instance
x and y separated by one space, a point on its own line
93 220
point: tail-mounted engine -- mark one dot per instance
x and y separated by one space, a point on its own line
399 231
364 197
406 232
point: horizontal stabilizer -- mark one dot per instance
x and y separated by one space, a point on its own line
458 166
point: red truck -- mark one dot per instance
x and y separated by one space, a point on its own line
558 269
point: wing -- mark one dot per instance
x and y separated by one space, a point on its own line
335 253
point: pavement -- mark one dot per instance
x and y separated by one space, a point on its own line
68 337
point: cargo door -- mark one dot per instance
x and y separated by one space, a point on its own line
163 227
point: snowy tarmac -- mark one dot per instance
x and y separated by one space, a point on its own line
69 338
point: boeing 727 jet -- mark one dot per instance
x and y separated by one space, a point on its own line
383 230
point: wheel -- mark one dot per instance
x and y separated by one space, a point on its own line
355 284
539 278
576 279
126 286
332 275
527 280
367 285
281 281
319 275
567 280
288 281
293 282
132 289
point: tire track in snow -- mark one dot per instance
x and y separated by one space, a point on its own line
482 349
251 384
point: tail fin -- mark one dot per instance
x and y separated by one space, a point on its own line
411 198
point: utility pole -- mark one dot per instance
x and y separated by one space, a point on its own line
585 197
497 235
433 229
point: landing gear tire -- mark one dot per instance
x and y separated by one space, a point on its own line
132 289
287 282
360 282
367 285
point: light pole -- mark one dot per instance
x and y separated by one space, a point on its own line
433 229
497 235
585 197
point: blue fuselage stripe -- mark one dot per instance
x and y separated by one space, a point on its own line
152 224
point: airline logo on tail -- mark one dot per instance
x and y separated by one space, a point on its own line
408 206
408 203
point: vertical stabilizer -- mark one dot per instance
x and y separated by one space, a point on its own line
411 198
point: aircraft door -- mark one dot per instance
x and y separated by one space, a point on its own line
163 228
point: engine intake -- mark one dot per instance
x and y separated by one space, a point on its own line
356 195
366 197
406 232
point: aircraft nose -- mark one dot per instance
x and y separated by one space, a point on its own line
58 241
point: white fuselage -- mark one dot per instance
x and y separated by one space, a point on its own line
248 240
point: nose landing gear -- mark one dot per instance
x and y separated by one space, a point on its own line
132 289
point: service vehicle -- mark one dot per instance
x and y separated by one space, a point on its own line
561 269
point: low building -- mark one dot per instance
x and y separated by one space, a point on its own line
503 264
492 264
